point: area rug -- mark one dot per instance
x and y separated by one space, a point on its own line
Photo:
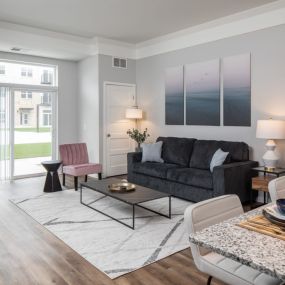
108 245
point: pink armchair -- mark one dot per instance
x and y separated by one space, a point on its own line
75 162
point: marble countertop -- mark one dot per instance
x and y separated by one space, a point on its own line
261 252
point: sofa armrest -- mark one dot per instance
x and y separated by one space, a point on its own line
234 178
133 157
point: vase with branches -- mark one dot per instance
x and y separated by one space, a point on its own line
138 137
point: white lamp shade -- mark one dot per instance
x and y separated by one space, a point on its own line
270 129
134 113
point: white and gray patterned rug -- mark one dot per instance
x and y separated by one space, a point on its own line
111 247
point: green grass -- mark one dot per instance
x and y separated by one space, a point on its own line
32 150
28 150
34 130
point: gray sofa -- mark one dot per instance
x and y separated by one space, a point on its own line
186 173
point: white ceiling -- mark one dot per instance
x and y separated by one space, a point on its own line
131 21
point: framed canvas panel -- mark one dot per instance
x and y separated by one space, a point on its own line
202 82
174 96
237 90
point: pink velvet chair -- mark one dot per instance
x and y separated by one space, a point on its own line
75 162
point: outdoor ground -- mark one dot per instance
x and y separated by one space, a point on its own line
31 147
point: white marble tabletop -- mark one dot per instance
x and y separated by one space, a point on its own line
261 252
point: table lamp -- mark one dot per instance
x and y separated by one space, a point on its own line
270 130
134 113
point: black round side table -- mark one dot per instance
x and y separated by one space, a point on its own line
52 183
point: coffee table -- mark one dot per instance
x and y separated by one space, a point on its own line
134 198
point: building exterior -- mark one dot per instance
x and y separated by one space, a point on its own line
33 109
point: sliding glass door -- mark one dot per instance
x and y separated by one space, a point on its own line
5 134
27 119
32 130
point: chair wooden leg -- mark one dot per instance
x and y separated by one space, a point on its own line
86 176
75 183
209 280
63 179
100 176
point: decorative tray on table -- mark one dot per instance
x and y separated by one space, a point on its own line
122 186
273 215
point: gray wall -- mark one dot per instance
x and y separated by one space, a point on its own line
92 73
112 74
67 93
88 105
267 48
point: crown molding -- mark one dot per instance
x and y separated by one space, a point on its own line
45 43
116 48
265 16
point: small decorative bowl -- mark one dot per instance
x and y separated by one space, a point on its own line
123 186
281 205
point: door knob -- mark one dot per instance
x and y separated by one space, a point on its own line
108 135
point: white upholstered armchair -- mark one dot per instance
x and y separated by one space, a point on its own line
277 188
209 212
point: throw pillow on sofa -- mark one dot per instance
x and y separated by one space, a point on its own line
152 152
218 158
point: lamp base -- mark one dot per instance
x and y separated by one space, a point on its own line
270 158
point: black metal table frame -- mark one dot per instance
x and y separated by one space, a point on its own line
132 226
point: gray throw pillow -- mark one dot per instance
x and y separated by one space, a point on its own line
152 152
218 158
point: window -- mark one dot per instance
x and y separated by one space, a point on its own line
2 69
26 95
26 72
47 118
30 74
47 77
46 98
24 118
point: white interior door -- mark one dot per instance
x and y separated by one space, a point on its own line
118 97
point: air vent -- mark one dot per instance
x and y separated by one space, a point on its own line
119 62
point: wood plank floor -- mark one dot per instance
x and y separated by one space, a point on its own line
30 254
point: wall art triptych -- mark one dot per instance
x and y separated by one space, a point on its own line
237 90
174 96
193 93
202 86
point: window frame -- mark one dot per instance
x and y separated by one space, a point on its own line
14 84
26 72
48 102
24 118
47 114
40 87
27 95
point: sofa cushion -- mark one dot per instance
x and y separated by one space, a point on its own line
152 152
82 169
154 169
177 150
204 150
218 158
191 176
